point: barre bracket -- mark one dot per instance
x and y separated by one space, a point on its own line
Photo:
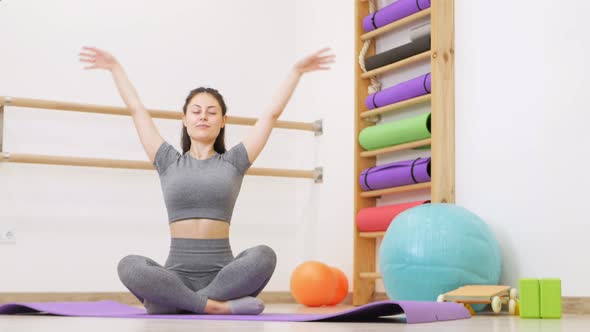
319 175
318 127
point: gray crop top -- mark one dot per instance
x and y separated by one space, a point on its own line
196 188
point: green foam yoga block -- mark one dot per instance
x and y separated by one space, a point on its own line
395 132
550 298
530 299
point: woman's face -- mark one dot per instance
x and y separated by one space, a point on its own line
203 118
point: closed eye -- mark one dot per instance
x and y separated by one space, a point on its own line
200 107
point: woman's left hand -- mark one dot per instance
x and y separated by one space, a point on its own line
315 61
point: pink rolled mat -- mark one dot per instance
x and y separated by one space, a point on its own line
377 219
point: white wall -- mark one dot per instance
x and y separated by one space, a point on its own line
73 224
520 73
522 113
329 95
519 131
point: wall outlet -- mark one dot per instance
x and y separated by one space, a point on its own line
7 236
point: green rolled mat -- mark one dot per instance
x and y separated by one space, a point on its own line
396 132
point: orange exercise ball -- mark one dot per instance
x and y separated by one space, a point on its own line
313 283
341 287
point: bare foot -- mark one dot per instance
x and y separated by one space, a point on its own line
217 308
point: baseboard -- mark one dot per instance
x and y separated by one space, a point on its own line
123 297
571 305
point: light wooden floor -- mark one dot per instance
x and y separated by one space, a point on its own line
485 322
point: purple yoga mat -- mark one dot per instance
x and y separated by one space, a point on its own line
415 311
415 87
396 174
393 12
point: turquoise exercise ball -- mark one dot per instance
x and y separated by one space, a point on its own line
434 248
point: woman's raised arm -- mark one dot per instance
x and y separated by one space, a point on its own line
144 124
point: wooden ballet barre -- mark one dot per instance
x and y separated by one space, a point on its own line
394 25
316 174
315 127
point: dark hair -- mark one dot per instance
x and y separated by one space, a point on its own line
185 141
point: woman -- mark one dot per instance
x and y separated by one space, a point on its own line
200 187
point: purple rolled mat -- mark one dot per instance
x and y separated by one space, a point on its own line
393 12
415 87
396 174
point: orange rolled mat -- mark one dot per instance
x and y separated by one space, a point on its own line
377 219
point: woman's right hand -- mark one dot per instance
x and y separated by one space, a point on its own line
98 59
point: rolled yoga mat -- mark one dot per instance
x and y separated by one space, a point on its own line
420 31
415 311
377 219
417 46
415 87
396 174
393 12
395 132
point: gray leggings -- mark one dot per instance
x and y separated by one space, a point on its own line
196 270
